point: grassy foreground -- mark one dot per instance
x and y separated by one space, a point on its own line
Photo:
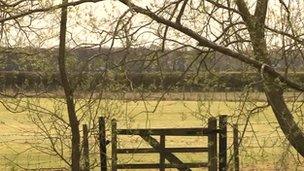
263 146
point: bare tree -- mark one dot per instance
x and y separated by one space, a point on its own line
69 96
255 25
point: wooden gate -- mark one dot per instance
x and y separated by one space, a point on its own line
168 153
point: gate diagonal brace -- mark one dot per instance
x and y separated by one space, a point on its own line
168 155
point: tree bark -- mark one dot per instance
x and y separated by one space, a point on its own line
73 121
285 119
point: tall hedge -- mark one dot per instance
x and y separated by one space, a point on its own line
231 81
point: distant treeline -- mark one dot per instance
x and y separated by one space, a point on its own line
230 81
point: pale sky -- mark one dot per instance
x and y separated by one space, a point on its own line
92 22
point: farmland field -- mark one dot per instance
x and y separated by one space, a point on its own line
263 146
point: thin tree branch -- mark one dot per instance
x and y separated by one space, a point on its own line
181 12
25 13
295 38
73 121
244 11
207 43
215 3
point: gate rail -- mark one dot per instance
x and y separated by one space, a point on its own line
167 153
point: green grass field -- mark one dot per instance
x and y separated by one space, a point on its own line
263 146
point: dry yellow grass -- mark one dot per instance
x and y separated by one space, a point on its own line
263 145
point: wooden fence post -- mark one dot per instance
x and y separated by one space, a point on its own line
162 158
223 143
236 147
212 144
86 159
102 144
114 144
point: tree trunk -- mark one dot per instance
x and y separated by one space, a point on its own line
73 121
285 119
274 93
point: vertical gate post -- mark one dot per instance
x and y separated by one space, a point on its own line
236 147
102 144
162 159
223 143
114 144
86 166
212 144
